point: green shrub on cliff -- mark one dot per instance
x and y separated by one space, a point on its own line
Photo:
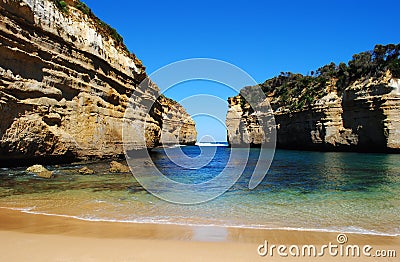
104 29
112 32
298 92
375 63
83 7
62 5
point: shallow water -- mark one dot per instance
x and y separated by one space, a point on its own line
347 192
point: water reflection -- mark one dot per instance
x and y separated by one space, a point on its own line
314 171
210 234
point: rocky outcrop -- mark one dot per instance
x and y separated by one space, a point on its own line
40 171
177 125
65 85
86 171
364 117
116 167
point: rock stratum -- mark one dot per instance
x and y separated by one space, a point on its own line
341 108
178 126
66 80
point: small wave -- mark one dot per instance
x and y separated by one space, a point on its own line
347 230
166 221
175 146
22 209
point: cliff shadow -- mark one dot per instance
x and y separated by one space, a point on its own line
366 119
20 160
9 111
28 67
300 130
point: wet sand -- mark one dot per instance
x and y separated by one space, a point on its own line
28 237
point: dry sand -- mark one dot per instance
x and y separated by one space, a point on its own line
27 237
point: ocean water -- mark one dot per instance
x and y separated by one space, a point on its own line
346 192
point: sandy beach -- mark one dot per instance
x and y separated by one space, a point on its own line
199 131
29 237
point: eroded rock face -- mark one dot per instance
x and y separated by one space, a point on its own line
64 86
246 126
366 117
177 125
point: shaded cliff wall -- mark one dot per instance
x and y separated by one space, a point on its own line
65 85
365 117
246 126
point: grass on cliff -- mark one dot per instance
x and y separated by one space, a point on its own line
298 92
62 5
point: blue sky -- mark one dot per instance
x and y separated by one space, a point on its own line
263 38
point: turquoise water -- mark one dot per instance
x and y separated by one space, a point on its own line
348 192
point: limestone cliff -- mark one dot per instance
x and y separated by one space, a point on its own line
363 115
247 126
65 81
177 125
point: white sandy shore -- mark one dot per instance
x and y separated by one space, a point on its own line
26 237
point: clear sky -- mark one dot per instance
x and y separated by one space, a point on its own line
263 38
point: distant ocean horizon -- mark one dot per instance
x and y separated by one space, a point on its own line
217 143
313 191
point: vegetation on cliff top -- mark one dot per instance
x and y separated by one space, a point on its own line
104 29
297 91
